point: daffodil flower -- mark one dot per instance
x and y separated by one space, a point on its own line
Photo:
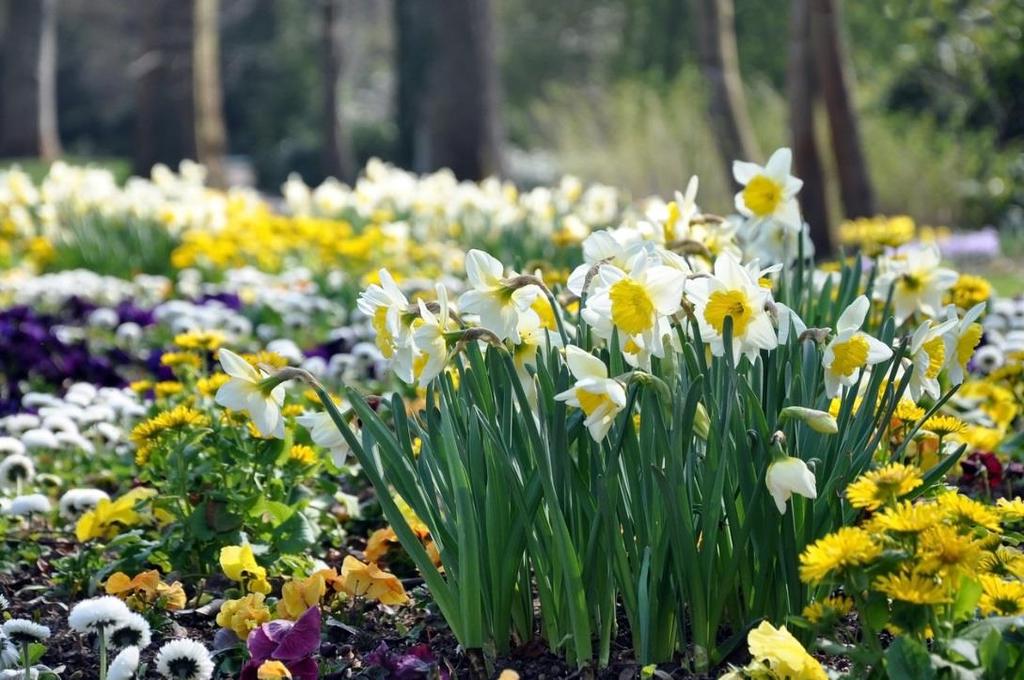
787 476
733 291
601 398
386 306
961 341
917 280
253 391
429 338
769 191
491 297
851 350
928 357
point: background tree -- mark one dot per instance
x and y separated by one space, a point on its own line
211 134
801 93
720 65
28 86
336 158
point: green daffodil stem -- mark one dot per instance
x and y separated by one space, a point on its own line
103 653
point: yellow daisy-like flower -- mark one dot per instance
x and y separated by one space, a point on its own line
167 388
829 609
1003 561
209 386
883 486
175 359
943 550
830 556
943 425
905 518
303 454
140 386
146 434
968 513
200 340
909 411
1011 510
1001 598
272 359
969 290
914 588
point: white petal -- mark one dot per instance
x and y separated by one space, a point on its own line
853 316
584 365
744 171
236 366
779 165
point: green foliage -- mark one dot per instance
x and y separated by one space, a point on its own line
114 247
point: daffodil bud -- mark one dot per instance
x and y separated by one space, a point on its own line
787 476
819 421
701 421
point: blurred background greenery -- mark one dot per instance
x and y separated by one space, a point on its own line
614 91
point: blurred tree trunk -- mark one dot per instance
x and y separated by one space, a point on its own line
720 64
336 159
28 87
165 115
453 120
801 91
835 76
412 21
211 135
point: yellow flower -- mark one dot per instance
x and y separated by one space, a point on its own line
200 340
299 595
913 588
209 386
379 543
146 589
1003 561
243 615
239 564
140 386
829 609
943 425
167 388
303 454
1001 598
968 513
969 290
831 556
146 434
942 550
905 518
907 410
273 670
174 359
370 582
883 486
783 653
108 518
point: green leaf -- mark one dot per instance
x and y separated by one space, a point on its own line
967 597
295 535
908 659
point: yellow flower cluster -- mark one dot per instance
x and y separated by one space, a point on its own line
874 234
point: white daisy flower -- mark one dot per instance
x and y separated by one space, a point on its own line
601 398
19 422
11 445
124 665
245 391
23 631
74 502
851 349
133 631
97 614
15 470
184 660
39 438
28 504
9 655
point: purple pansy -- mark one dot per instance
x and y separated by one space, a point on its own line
293 644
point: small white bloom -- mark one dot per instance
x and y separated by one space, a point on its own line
16 469
928 357
98 613
769 192
601 398
28 504
244 392
961 341
74 502
19 422
387 307
497 304
851 350
124 665
22 631
9 655
38 438
11 445
917 281
788 476
133 631
429 339
184 660
325 434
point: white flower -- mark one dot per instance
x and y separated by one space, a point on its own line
495 302
851 350
961 341
184 660
819 421
98 613
38 438
917 281
988 358
733 291
19 674
636 303
124 665
245 392
76 501
9 655
600 397
16 469
10 444
326 434
788 476
769 192
28 504
928 357
22 631
430 341
19 422
133 631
